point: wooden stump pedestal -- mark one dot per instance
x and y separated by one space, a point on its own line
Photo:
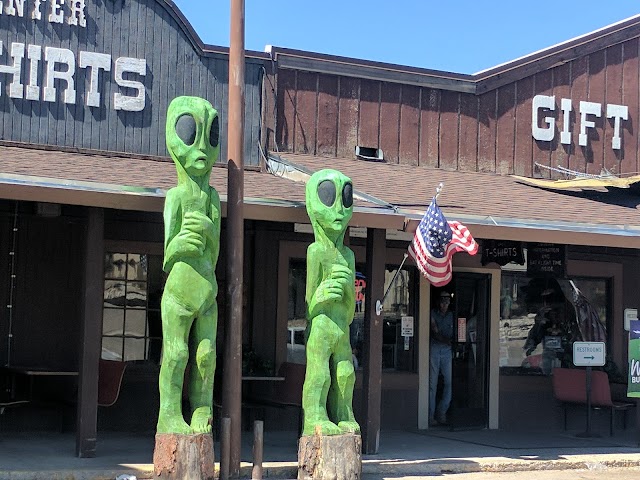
180 457
330 457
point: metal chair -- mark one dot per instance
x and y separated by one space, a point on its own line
110 375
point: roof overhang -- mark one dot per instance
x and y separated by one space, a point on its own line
94 194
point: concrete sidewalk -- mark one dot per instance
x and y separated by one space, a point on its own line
29 456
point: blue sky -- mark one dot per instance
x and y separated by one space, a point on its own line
462 36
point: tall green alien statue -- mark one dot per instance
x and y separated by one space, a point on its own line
330 300
192 244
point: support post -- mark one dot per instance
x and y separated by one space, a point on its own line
258 430
232 375
372 381
87 410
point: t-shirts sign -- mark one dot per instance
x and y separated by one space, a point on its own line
502 252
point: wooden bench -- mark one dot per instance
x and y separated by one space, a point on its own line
570 388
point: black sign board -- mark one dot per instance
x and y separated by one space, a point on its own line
546 259
502 252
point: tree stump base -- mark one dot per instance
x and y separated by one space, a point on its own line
180 457
330 457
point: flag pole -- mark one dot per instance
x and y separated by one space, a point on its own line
379 303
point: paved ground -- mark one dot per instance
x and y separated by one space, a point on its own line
593 474
28 456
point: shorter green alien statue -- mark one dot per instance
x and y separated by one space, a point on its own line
328 388
192 243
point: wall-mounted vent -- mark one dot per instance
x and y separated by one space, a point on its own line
48 209
369 153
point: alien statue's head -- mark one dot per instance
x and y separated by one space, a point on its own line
329 198
193 135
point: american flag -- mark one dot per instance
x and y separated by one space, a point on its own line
435 242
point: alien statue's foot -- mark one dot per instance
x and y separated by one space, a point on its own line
349 427
173 424
201 420
326 427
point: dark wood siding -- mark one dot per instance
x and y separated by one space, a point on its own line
139 29
489 132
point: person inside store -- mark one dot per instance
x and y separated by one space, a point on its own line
440 359
548 330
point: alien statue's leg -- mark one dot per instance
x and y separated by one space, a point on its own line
201 381
176 323
317 377
343 379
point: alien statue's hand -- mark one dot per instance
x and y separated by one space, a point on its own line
191 237
333 287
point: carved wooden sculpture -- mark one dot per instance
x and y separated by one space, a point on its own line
189 309
330 377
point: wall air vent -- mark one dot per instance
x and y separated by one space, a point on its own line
369 153
48 209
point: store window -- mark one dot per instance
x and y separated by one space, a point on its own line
131 325
541 317
398 351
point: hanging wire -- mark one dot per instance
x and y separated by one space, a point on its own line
12 281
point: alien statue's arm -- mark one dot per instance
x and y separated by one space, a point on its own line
213 234
180 241
313 281
171 228
351 293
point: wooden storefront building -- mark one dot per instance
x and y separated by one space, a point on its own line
83 174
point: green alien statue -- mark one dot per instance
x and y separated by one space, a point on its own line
330 300
192 244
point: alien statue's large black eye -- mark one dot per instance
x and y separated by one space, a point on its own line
327 192
186 129
214 134
347 195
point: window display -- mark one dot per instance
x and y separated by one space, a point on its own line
541 317
396 355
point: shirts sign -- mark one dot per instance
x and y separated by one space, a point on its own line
502 252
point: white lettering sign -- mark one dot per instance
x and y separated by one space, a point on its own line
74 11
543 126
589 354
59 72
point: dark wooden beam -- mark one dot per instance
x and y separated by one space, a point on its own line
372 381
87 413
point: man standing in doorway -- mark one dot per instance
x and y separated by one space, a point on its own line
440 359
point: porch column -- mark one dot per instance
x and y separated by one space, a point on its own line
372 355
87 413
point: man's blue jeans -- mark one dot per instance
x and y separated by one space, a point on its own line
439 362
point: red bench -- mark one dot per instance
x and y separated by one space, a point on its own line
570 387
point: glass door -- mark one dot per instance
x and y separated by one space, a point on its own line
470 350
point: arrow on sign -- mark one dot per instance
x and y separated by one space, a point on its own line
591 357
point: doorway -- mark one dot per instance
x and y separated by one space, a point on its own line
470 305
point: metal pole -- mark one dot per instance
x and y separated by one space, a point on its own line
258 430
232 375
588 374
225 434
380 303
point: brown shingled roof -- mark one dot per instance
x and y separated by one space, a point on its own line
485 198
265 192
